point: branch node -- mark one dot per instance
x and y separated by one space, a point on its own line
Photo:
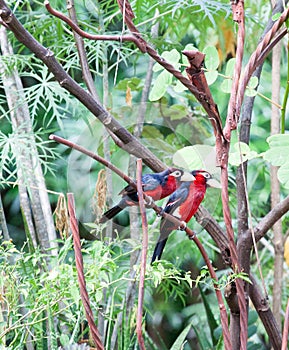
6 15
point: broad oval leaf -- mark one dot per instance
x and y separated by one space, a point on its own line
230 67
211 77
226 86
278 140
160 86
172 57
212 60
236 159
283 175
196 157
277 156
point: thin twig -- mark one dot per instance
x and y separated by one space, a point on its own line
143 256
84 34
86 74
80 273
238 17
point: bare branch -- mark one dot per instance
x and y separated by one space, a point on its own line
80 273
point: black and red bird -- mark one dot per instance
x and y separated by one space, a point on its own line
183 204
157 186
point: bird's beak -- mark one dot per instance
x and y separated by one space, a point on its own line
213 183
186 177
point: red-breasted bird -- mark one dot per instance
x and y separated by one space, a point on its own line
157 186
183 204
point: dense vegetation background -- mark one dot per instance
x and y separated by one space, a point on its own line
40 299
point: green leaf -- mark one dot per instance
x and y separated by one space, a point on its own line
283 175
134 83
234 157
160 86
173 57
179 342
211 77
276 16
212 58
277 155
179 87
210 316
196 157
278 140
226 85
250 92
177 112
253 83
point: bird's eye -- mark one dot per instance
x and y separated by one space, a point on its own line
177 173
207 175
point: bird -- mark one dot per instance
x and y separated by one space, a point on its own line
183 204
155 185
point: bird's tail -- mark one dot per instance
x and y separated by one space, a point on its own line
110 214
159 250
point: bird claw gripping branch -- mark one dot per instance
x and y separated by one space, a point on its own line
183 226
149 201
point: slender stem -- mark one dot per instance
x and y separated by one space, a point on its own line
80 273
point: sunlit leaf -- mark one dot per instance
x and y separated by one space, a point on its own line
160 86
179 342
196 157
283 174
241 153
173 57
211 77
212 58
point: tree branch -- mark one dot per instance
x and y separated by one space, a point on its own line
130 143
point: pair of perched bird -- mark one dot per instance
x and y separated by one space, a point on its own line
186 190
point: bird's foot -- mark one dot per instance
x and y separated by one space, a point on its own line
183 226
160 211
149 201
